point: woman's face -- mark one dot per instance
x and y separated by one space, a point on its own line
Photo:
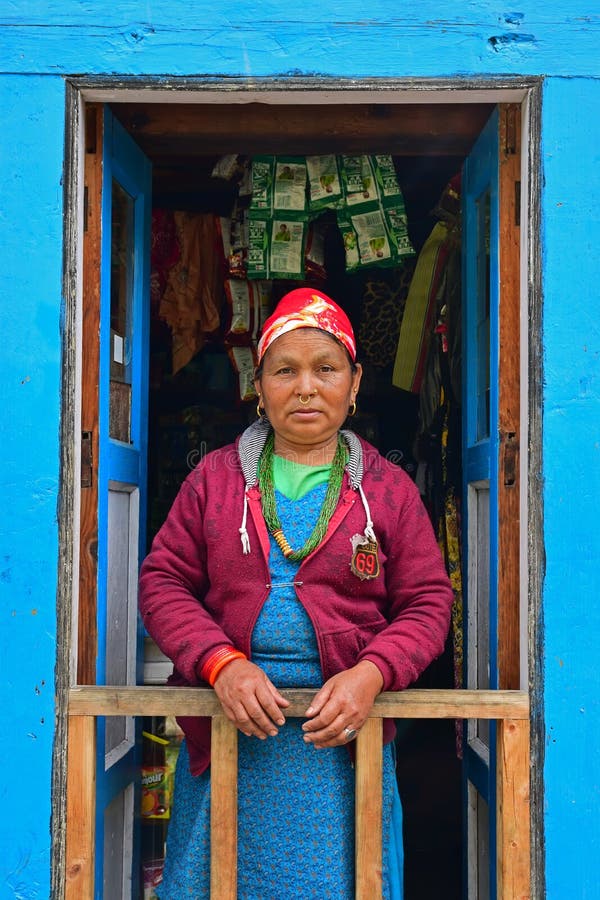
306 363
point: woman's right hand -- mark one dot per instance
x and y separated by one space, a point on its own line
249 699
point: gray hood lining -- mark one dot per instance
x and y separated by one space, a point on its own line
253 440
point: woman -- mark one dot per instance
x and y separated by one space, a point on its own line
334 582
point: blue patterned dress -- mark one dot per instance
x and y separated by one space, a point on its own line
296 803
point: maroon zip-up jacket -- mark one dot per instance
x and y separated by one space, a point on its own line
199 590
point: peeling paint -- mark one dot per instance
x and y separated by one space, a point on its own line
500 42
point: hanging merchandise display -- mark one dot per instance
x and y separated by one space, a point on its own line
358 180
324 183
289 188
262 173
240 300
191 300
372 219
288 191
244 363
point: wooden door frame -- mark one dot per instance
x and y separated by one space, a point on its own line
81 91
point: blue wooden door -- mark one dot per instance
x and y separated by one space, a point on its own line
123 401
480 496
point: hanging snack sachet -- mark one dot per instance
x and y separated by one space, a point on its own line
374 245
240 300
386 178
244 362
289 187
261 201
350 239
396 221
324 183
258 248
358 180
287 245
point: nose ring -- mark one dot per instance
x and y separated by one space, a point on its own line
303 401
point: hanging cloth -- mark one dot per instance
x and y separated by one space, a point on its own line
192 298
420 309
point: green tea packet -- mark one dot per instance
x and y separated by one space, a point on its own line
324 183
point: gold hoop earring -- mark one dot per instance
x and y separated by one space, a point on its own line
352 410
260 410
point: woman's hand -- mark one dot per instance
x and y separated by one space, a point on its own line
249 699
342 705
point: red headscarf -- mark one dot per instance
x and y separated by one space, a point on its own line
307 308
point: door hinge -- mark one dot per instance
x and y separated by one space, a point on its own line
517 203
510 458
86 459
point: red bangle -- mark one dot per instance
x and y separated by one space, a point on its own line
217 660
235 654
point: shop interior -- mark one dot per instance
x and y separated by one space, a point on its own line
209 296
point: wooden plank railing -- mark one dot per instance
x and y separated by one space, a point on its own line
509 708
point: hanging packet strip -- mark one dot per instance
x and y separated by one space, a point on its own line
367 240
243 360
261 201
325 187
386 178
358 180
287 245
289 188
241 302
397 225
263 291
258 248
374 245
350 239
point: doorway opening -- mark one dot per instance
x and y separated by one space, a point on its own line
199 392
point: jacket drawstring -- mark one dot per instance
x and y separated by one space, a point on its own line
369 533
243 530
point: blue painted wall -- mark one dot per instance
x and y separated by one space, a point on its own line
40 42
31 159
571 155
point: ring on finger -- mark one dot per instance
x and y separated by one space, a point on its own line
349 734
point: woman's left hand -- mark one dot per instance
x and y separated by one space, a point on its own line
342 705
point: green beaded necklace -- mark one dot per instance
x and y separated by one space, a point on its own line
269 507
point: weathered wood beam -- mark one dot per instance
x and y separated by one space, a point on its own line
513 813
81 808
251 128
223 809
368 811
509 405
412 704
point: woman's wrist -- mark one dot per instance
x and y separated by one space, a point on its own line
217 661
374 674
